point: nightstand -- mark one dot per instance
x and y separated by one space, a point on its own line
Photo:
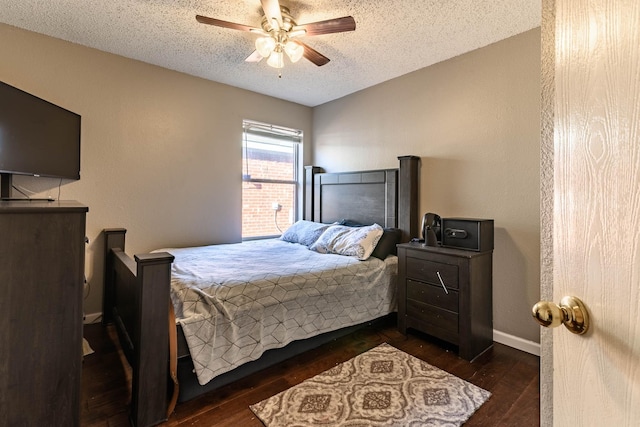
446 293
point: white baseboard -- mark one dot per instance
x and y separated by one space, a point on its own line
92 318
516 342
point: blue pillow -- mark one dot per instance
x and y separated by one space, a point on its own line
304 232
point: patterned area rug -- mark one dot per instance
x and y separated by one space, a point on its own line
382 387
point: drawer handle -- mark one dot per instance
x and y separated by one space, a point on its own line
446 291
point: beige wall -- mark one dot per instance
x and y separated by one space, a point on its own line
161 153
475 122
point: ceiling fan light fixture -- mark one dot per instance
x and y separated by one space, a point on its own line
265 46
294 51
276 59
278 28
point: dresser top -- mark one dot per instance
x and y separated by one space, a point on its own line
15 206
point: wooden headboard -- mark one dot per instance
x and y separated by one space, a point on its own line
388 197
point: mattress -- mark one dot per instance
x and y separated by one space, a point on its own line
236 301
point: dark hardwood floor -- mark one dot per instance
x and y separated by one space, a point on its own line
510 375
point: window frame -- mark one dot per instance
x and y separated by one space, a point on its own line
284 135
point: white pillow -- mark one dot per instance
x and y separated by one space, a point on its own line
304 232
351 241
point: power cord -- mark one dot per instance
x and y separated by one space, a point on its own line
20 191
275 220
276 208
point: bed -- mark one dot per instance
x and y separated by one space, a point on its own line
161 317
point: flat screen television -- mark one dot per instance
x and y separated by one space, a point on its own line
36 138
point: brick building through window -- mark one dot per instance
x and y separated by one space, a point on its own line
269 179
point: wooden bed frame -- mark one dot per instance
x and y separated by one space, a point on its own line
136 291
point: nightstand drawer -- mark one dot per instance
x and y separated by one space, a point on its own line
433 295
428 271
433 316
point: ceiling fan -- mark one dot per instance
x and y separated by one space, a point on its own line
279 34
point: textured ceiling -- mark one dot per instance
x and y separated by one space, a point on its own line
392 37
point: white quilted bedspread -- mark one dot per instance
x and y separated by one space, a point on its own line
236 301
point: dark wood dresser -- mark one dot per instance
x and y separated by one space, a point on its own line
446 293
42 249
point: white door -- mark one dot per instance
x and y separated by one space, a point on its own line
596 213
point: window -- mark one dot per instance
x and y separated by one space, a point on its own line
269 179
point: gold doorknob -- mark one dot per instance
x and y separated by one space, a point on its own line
571 312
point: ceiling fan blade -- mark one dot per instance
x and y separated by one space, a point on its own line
254 57
225 24
272 11
336 25
313 55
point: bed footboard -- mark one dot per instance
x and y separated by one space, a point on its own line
136 300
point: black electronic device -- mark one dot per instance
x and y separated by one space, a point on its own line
431 229
37 138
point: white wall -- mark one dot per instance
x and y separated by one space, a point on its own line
475 122
160 150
